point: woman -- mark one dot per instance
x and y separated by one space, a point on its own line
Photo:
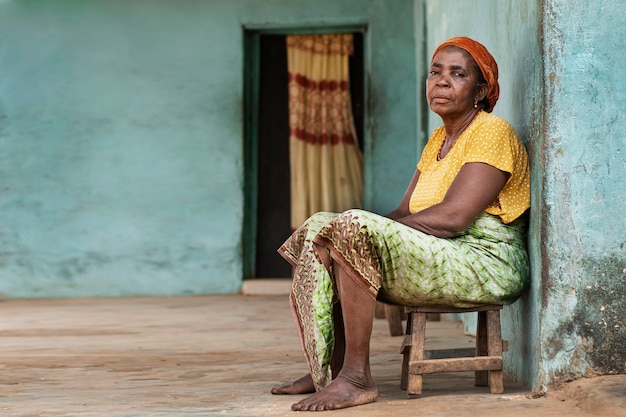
457 237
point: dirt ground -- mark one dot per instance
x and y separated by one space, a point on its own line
220 356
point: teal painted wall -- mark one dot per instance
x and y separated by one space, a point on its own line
583 322
510 31
121 137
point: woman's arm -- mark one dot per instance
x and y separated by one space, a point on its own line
476 185
403 208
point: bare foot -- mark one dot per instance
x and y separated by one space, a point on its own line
344 391
303 385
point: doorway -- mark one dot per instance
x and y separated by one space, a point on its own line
267 189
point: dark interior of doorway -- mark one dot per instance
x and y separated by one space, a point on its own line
273 205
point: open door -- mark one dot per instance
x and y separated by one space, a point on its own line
267 208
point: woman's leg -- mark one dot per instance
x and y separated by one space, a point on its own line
354 384
304 385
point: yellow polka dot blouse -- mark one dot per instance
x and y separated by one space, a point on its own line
488 139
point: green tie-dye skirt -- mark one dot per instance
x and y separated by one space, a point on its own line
486 264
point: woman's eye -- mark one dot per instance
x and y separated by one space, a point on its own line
433 72
457 74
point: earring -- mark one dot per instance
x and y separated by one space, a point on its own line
475 104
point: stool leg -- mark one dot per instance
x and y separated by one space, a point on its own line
405 356
418 333
394 319
494 336
480 377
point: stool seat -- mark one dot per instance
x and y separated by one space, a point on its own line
487 361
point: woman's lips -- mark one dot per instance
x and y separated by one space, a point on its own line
440 99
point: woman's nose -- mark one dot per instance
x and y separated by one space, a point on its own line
442 81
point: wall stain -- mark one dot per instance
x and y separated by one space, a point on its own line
593 338
601 313
71 268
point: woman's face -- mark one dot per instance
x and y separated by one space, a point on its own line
452 85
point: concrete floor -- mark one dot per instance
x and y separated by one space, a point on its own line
219 356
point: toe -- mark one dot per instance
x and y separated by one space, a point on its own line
297 406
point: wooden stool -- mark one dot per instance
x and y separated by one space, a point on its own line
487 359
395 314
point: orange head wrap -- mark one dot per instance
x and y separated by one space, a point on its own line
486 63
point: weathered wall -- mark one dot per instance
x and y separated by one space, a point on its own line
121 137
110 112
583 295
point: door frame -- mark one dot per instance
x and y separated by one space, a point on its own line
251 68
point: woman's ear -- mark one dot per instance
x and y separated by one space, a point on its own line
481 93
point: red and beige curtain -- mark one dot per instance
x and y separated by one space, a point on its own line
326 163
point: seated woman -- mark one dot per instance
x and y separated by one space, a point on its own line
457 238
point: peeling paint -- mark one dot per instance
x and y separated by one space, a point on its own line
601 314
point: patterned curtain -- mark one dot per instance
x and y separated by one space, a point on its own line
326 163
